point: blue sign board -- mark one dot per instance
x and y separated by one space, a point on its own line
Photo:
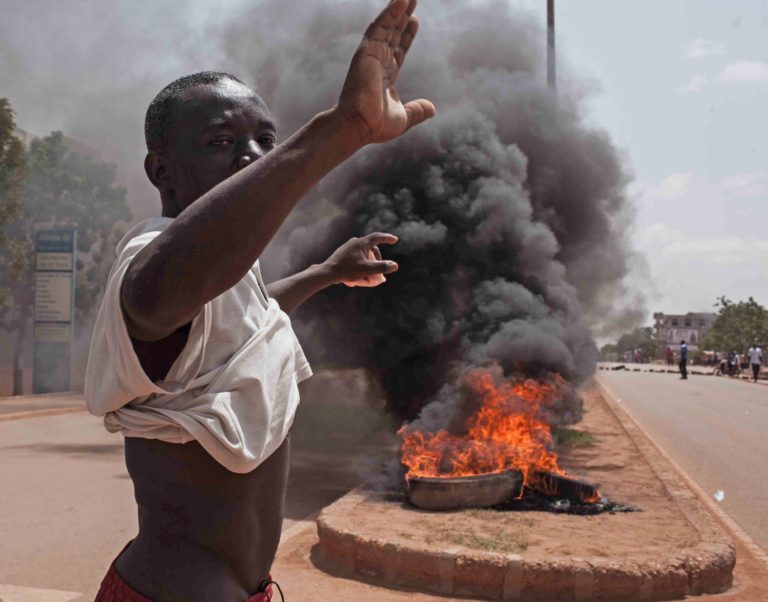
55 241
55 268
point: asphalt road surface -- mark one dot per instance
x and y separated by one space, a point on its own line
715 428
66 502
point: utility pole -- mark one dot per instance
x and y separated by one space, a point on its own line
551 75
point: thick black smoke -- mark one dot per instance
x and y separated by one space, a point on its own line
510 210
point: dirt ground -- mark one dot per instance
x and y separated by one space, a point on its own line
606 455
610 460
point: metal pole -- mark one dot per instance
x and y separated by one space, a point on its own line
551 75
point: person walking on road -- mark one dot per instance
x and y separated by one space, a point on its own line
755 360
683 360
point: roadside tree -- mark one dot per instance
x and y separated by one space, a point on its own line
12 175
737 326
62 189
639 338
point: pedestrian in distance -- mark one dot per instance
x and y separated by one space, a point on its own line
755 354
683 360
734 364
193 358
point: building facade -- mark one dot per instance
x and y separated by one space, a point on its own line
670 329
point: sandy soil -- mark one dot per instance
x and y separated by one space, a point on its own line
611 460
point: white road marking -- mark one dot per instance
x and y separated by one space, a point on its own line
18 593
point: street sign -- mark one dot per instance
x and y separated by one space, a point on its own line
55 268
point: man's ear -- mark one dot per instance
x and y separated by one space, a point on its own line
159 172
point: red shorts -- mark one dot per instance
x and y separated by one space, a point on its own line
114 589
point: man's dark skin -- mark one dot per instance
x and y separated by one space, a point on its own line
205 533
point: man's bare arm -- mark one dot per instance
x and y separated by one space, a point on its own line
216 240
292 291
349 262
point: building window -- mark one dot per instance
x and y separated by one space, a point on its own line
702 322
687 322
674 322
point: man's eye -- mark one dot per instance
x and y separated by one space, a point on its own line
221 142
267 140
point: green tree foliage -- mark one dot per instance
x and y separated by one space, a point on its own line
62 189
737 326
639 338
12 175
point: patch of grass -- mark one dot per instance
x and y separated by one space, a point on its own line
499 531
496 516
491 540
572 438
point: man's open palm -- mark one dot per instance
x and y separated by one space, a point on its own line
369 93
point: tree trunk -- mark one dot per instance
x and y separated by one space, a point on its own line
18 353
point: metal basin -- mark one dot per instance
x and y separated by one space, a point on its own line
478 491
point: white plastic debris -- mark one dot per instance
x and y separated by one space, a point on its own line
719 495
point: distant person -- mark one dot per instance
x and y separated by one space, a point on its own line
734 364
670 356
755 360
683 360
724 365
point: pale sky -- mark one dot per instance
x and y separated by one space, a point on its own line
683 90
680 85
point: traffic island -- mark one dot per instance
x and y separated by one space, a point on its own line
671 549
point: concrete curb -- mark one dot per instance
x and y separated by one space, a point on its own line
706 567
40 414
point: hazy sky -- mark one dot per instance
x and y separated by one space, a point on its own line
681 85
684 90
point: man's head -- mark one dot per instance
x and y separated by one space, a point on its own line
200 129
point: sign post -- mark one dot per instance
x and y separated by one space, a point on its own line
55 269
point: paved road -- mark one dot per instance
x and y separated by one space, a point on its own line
715 428
10 407
66 502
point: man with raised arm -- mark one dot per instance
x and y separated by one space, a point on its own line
193 358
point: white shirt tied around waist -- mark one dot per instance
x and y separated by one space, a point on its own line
233 388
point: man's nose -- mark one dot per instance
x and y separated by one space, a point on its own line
250 153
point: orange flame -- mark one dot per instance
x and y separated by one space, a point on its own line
510 430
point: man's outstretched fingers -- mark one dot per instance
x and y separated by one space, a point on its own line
382 267
406 39
398 31
419 111
383 26
379 238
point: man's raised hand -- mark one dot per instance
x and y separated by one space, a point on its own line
369 96
358 262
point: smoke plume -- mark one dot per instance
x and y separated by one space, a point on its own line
511 211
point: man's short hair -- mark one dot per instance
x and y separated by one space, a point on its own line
159 118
